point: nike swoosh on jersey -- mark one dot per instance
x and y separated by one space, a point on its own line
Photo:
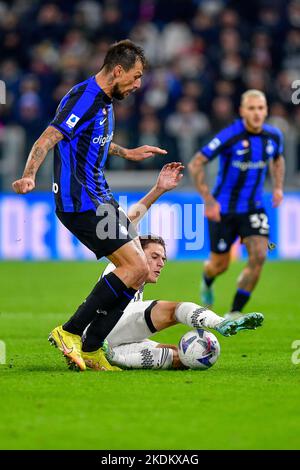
102 122
242 152
66 350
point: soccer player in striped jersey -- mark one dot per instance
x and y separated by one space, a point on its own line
235 207
128 343
81 134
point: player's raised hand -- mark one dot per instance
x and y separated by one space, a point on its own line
143 152
23 185
277 197
169 176
213 210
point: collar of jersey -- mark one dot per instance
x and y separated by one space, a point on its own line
262 132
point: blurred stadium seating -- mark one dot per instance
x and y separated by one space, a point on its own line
202 54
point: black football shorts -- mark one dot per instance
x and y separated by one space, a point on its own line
103 232
223 234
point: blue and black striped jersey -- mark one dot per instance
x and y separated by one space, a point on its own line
85 118
243 160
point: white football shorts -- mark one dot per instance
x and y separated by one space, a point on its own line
135 324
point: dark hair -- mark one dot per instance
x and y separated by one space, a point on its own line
124 53
147 239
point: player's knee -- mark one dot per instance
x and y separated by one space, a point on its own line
261 258
258 260
221 266
171 317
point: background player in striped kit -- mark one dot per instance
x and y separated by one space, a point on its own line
81 134
235 207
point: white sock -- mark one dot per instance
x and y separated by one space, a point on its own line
194 315
147 358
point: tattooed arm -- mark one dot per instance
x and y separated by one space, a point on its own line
137 154
277 170
117 150
197 172
49 138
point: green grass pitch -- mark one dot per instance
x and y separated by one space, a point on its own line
248 400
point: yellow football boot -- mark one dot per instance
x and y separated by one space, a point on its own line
70 345
96 360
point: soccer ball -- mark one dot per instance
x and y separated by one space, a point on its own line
198 349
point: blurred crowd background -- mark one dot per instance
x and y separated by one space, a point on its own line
202 55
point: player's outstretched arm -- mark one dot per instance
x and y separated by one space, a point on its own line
168 178
277 170
137 154
197 172
41 147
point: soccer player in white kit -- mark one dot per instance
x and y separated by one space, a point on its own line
128 343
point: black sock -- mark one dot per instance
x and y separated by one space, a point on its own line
109 293
208 280
99 328
128 294
104 322
240 299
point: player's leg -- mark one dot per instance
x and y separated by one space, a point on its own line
131 264
216 265
94 349
176 364
222 235
130 327
143 319
257 247
165 314
146 354
253 228
134 325
115 290
126 259
112 292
